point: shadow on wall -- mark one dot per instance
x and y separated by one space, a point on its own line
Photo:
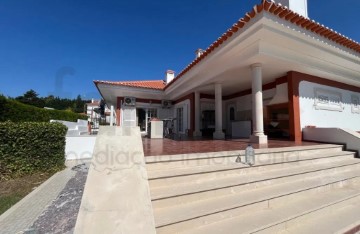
328 107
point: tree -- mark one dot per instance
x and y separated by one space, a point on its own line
31 98
79 105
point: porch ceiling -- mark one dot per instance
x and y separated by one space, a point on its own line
111 92
239 79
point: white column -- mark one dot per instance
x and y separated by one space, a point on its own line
197 132
111 115
258 135
218 134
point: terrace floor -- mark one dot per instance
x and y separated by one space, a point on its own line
156 147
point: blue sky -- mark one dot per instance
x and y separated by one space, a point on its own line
61 46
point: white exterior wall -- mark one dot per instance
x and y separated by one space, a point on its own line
309 115
207 104
244 103
128 116
79 147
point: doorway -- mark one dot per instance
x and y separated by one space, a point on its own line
208 122
277 123
143 116
141 119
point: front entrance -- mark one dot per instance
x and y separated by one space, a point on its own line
141 119
143 116
277 121
208 123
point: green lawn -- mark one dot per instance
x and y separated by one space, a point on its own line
8 201
12 191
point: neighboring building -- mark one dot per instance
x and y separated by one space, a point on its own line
274 72
93 111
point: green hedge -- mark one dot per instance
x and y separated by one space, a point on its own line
18 112
31 147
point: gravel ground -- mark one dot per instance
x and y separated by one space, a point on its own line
60 216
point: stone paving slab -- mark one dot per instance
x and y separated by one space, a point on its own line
21 216
60 216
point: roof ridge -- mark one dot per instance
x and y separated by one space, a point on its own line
142 81
283 13
130 81
153 84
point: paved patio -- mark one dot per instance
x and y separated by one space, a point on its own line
155 147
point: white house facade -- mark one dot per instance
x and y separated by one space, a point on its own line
273 73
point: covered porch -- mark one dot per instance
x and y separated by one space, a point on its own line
191 145
245 84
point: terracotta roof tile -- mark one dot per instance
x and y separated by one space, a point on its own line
265 5
281 12
147 84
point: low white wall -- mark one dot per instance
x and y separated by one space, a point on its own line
349 138
71 125
79 147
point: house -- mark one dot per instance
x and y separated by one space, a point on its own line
271 74
93 111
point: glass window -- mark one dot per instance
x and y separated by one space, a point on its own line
180 119
152 113
232 113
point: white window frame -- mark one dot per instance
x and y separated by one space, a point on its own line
328 100
355 104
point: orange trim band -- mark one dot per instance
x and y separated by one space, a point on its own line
294 79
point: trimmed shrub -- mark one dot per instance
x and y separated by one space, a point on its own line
30 147
18 112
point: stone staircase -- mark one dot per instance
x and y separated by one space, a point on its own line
211 193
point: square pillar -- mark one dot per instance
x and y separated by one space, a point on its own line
218 134
258 135
111 115
197 108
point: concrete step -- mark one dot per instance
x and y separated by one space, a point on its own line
181 217
81 128
160 178
263 156
342 218
334 211
175 194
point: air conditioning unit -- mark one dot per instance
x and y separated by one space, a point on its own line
166 104
129 101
